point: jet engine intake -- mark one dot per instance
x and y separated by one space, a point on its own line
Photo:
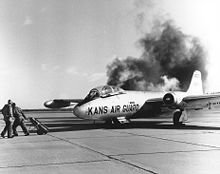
170 99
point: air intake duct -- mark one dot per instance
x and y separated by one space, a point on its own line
170 99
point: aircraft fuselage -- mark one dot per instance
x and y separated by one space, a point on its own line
121 105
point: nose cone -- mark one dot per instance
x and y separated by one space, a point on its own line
48 104
80 112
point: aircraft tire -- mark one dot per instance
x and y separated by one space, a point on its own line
176 117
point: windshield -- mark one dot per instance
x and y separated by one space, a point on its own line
93 94
102 91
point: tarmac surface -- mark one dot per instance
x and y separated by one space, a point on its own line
144 146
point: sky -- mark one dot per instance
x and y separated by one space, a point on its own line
60 49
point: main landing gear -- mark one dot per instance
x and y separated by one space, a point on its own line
179 117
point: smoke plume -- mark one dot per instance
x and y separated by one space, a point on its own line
167 63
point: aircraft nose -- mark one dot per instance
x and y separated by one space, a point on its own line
80 112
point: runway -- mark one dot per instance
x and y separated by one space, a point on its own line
144 146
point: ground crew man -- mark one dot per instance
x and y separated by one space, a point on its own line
7 112
19 121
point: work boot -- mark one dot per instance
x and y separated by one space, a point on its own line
26 134
2 136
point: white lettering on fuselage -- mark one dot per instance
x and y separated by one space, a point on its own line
98 110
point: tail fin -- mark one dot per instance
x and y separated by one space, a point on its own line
195 87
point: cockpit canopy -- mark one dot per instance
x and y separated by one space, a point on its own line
103 91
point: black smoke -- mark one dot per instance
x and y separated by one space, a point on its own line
169 56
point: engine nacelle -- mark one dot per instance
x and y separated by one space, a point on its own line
171 99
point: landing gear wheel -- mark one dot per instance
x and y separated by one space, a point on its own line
176 118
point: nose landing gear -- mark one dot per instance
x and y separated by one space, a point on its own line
116 122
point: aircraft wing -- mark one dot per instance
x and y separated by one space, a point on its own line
200 101
189 102
61 103
155 101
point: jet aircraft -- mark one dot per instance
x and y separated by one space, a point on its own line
116 106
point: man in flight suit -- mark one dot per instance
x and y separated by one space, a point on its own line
19 120
7 112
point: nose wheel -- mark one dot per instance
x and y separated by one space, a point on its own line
117 121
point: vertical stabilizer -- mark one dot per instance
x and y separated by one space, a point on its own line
195 87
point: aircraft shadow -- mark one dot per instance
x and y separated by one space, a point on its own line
167 125
55 124
72 124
